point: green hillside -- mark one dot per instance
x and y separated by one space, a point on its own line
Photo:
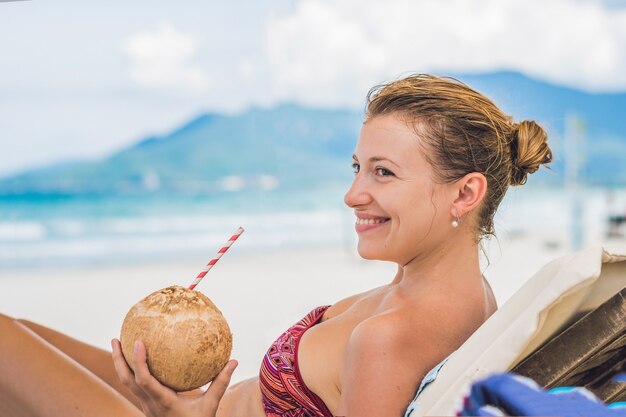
295 146
260 148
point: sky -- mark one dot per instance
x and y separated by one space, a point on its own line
82 80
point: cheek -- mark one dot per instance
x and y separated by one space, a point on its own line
418 218
418 208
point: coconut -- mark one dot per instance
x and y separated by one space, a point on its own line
187 339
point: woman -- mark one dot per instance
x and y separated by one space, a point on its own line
433 161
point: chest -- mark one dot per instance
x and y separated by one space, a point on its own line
322 348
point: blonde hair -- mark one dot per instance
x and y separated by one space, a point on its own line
463 131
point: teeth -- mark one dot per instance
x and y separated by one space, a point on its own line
370 221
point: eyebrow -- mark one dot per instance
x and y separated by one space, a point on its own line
377 159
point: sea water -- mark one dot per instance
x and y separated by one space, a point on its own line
84 230
80 230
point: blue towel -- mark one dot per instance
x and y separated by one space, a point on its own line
513 395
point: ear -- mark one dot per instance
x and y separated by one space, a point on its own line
470 191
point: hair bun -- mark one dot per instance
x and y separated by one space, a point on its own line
529 150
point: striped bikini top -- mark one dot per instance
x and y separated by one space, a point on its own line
282 388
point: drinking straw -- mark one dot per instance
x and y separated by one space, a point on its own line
213 261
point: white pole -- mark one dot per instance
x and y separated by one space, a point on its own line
574 145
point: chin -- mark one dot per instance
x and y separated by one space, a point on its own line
370 253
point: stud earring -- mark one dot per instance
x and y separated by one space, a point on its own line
456 222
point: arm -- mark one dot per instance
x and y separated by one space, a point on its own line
159 401
382 367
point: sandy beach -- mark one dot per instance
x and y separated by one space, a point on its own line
260 293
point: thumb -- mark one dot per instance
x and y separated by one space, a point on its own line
220 383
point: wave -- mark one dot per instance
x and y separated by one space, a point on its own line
122 239
22 231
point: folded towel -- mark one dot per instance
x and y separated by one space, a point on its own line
509 394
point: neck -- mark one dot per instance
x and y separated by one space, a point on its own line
455 261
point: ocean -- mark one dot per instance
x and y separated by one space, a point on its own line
79 230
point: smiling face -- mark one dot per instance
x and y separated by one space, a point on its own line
401 212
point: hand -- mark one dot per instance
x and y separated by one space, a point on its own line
160 401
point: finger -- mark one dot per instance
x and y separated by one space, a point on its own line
124 373
220 383
145 380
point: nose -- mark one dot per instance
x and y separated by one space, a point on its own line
357 194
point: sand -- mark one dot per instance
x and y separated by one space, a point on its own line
260 294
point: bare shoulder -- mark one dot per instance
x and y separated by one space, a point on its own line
416 335
409 333
384 361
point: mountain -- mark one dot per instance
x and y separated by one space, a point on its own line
603 116
295 146
283 146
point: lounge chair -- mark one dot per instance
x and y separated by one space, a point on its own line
549 302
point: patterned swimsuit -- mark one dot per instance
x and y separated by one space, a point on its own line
282 388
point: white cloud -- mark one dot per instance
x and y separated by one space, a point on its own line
162 59
329 52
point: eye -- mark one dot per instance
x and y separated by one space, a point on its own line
383 172
356 168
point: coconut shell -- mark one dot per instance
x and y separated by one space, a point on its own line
187 339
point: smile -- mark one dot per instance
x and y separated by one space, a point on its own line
371 221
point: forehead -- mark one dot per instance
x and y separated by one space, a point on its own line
390 136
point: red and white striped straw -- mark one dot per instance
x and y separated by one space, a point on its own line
213 261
